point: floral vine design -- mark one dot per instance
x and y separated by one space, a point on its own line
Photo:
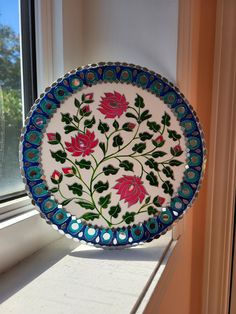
130 187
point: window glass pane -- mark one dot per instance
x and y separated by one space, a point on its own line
10 98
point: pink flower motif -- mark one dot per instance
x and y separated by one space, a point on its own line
177 149
88 97
159 140
51 136
160 200
131 125
86 109
82 144
67 171
131 189
56 177
113 105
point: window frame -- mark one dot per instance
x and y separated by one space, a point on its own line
28 74
28 54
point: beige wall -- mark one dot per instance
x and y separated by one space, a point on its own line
180 289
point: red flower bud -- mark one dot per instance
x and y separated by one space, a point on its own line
88 96
56 177
177 148
86 109
159 139
161 200
67 171
131 125
51 136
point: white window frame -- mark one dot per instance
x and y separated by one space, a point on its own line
18 213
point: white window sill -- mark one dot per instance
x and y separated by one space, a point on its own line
66 277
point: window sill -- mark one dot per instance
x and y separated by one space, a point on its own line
65 276
21 234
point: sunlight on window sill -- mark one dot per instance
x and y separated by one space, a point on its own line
65 275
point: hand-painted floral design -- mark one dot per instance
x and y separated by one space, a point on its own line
131 189
148 163
88 97
160 200
51 136
113 105
82 144
85 109
160 140
56 177
177 149
68 171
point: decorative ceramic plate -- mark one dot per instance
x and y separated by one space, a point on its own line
112 154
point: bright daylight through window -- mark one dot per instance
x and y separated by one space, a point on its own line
10 98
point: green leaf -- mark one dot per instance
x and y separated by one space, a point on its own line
168 172
158 154
151 163
77 103
54 181
103 147
76 119
131 115
88 101
66 202
145 115
138 102
110 170
128 217
101 186
83 164
175 153
174 135
58 137
104 201
117 141
153 126
145 136
128 166
139 147
65 117
147 200
152 179
76 189
114 211
86 205
54 142
116 125
165 119
152 210
103 127
89 216
168 188
59 156
70 128
54 190
175 162
89 123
